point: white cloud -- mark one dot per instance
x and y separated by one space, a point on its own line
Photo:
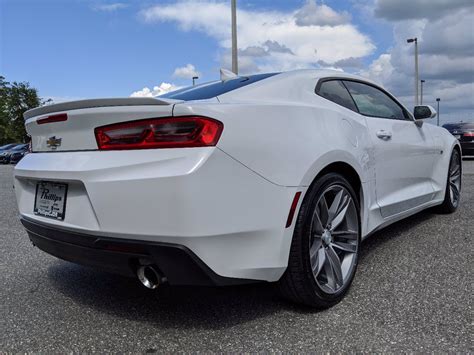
454 96
348 63
303 45
265 49
187 72
418 9
162 89
380 70
110 7
317 35
446 43
452 35
313 14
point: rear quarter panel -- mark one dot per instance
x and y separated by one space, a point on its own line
289 143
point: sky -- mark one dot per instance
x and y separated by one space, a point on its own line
75 49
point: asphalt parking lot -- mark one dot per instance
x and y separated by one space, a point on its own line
412 293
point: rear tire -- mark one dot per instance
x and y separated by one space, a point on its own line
452 195
325 246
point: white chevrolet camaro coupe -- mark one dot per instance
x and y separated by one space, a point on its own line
271 177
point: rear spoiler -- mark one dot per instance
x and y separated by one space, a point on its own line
76 105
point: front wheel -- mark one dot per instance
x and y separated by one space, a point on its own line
325 246
453 184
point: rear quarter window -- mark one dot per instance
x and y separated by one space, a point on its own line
335 91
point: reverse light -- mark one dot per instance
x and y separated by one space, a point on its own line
169 132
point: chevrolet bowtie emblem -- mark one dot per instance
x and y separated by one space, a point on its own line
53 142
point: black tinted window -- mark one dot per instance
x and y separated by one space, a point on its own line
374 102
213 89
335 91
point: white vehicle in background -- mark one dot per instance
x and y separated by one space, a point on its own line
272 177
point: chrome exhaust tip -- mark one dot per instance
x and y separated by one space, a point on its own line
149 276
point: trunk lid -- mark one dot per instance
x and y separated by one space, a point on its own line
70 126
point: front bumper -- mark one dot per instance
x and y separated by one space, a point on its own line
177 264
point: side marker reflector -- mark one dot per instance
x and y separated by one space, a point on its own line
294 204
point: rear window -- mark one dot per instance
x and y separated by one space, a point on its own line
215 88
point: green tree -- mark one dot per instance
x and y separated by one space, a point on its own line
15 99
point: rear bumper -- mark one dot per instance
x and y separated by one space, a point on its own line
178 264
200 198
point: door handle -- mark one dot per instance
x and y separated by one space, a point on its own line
385 135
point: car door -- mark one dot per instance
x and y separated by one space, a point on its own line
403 151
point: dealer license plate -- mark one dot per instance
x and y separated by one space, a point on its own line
50 200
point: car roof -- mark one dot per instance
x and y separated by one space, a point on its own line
327 73
218 89
292 86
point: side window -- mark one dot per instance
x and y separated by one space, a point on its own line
335 91
373 102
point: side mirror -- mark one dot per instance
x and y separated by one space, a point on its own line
424 112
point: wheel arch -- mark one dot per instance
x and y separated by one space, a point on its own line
347 171
457 147
344 169
454 146
350 173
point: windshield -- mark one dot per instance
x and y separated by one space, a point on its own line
213 89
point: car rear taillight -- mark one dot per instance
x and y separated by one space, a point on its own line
170 132
469 134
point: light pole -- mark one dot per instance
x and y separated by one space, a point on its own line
415 40
235 65
438 100
194 79
421 91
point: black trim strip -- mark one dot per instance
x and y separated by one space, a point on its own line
342 79
178 263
